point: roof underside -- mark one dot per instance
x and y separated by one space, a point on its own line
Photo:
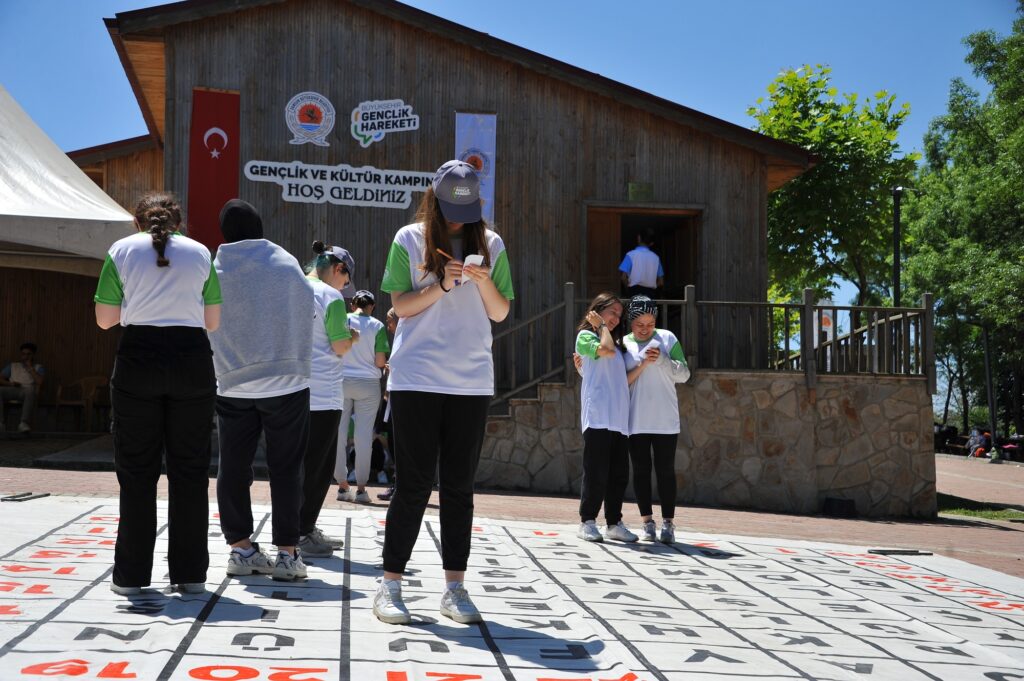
138 38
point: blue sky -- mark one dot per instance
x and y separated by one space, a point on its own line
716 56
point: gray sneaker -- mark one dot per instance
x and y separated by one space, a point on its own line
456 605
668 532
588 532
650 531
259 563
319 537
288 567
309 546
619 532
388 605
125 590
191 588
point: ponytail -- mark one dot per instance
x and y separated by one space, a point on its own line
160 215
323 260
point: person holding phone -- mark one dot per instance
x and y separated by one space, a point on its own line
604 416
655 364
162 287
442 377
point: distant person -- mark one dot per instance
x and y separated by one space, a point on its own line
642 273
162 288
21 380
362 368
262 388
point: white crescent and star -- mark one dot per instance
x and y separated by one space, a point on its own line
215 153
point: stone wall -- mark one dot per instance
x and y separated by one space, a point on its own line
750 440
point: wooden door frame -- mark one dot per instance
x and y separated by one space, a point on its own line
622 207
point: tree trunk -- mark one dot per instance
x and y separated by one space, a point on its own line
949 393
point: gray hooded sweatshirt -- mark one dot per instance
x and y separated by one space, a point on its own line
265 329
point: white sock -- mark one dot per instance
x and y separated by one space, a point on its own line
452 586
245 553
391 584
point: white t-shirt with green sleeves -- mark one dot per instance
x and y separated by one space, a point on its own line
159 296
604 395
360 361
447 347
330 323
653 400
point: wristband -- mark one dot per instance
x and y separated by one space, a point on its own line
440 282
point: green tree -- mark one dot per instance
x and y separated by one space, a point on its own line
835 220
966 223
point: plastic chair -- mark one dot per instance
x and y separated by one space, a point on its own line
81 394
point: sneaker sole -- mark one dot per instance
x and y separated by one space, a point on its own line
462 619
392 619
624 541
595 540
286 576
245 572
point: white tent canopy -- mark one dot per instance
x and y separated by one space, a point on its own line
46 201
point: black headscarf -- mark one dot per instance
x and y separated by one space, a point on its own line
240 221
641 305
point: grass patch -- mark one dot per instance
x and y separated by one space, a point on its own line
978 509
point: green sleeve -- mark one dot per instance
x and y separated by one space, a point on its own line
502 276
676 353
380 343
397 278
109 289
211 289
336 321
587 344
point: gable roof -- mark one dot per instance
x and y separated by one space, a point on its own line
137 35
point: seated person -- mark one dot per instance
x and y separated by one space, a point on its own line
20 380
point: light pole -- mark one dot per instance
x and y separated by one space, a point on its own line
897 193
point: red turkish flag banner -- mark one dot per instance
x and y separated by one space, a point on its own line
213 162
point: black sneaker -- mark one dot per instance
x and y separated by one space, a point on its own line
386 496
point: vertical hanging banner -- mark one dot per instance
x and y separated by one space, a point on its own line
475 140
213 162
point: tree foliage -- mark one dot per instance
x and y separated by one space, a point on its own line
966 223
836 219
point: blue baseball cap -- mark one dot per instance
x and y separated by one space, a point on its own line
457 188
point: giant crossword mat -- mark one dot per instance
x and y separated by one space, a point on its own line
556 608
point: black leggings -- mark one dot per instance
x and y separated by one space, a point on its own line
318 465
605 474
664 447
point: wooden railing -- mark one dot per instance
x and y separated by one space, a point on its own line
740 336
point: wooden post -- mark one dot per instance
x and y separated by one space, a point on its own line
691 342
929 342
807 344
569 297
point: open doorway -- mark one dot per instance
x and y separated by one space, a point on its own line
612 232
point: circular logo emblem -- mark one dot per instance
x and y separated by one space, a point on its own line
310 117
478 159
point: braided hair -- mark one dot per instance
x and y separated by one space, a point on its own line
159 214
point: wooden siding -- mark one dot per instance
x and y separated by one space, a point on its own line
557 145
147 60
54 310
128 177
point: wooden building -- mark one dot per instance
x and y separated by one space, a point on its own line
582 162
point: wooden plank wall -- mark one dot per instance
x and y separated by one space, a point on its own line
54 310
126 178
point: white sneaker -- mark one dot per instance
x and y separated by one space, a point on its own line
650 531
382 478
588 531
348 494
619 532
334 542
668 532
24 427
288 567
311 546
456 605
387 603
258 563
125 590
362 497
